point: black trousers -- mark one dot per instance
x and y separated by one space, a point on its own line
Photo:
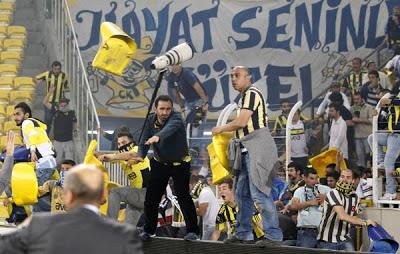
159 177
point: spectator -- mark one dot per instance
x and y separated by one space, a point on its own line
114 136
280 121
298 145
392 141
332 178
65 127
81 230
256 173
307 200
383 78
228 212
362 119
56 187
323 107
134 194
354 79
338 131
207 205
184 81
340 208
371 89
330 168
392 31
364 188
42 154
295 175
58 80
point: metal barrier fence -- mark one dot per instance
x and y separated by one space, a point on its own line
80 94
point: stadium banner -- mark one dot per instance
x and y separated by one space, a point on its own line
293 48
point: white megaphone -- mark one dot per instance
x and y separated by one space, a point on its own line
176 55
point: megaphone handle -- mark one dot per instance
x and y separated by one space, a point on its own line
153 98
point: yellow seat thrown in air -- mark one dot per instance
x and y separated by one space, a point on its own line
24 83
116 51
20 96
8 70
11 57
217 151
11 126
24 184
320 161
16 32
6 83
13 44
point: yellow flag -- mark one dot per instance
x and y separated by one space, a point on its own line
320 161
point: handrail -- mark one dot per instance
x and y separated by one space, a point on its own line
308 103
81 96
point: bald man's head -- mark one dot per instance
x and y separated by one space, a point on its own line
240 77
84 184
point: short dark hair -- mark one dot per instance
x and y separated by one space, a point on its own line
284 101
335 106
56 63
374 72
163 98
369 63
297 166
332 165
309 171
25 108
128 135
336 97
335 175
357 93
194 178
354 173
357 59
228 181
69 162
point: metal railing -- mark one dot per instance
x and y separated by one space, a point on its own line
73 65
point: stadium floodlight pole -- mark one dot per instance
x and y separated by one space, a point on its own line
153 98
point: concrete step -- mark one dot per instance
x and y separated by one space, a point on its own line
35 37
30 72
34 50
24 4
34 61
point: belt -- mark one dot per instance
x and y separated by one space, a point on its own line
307 228
244 150
186 159
394 41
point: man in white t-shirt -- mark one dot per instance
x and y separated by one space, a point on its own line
308 200
337 134
323 107
298 143
206 206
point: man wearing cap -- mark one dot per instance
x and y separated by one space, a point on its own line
65 127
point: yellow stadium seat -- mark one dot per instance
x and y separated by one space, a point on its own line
3 142
10 57
5 19
6 7
1 129
4 97
8 70
6 83
3 32
16 32
20 96
3 114
10 111
24 83
11 126
13 44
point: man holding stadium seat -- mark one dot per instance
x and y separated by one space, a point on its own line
42 152
134 194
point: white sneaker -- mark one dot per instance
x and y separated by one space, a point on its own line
389 196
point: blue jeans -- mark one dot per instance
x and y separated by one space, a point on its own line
307 237
345 245
44 203
246 195
392 153
382 141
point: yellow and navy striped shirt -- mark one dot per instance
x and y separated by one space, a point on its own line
60 82
280 121
353 81
227 215
253 100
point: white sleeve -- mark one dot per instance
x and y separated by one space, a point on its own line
346 101
324 104
205 196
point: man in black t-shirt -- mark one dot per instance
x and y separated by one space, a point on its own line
65 126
